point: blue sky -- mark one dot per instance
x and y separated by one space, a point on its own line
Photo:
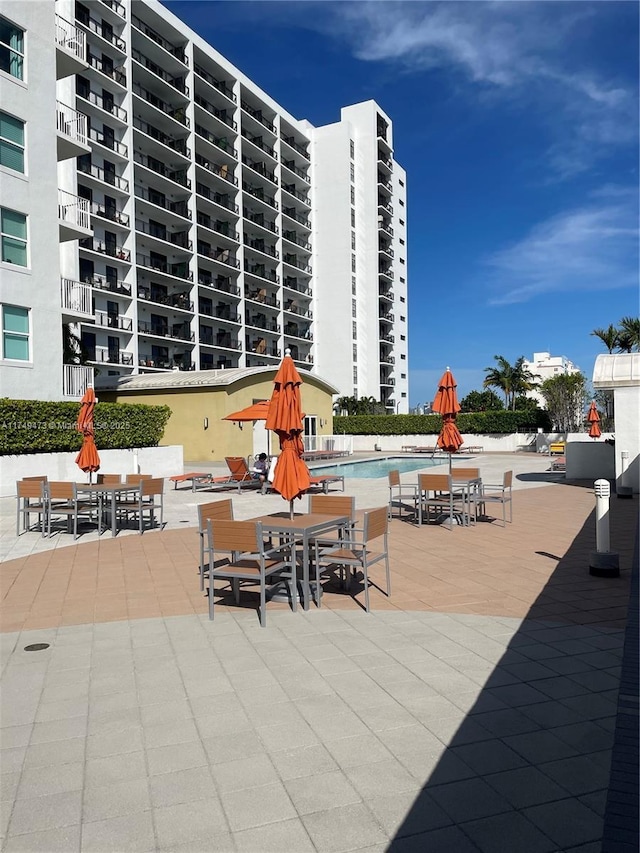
517 124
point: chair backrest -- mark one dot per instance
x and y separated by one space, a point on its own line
507 480
216 510
151 487
238 467
394 478
434 482
134 479
40 477
465 473
30 488
243 536
333 505
376 523
110 479
61 490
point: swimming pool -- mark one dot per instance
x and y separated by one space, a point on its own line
369 469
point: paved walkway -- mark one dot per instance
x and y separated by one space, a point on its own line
472 711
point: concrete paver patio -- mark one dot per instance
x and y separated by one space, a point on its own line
473 710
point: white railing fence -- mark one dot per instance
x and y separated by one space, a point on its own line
328 443
71 38
72 208
72 123
75 296
76 379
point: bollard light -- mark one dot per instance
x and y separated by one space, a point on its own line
623 489
603 562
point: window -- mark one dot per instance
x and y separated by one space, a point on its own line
401 242
403 337
353 218
13 233
355 352
354 311
353 196
11 49
353 239
403 376
11 142
352 148
403 394
353 263
402 299
353 285
402 260
401 203
403 356
352 171
403 319
402 222
354 330
15 333
355 379
401 183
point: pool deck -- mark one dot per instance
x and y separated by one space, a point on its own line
474 710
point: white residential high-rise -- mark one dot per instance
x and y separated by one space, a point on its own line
545 366
176 217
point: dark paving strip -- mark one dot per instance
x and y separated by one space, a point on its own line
621 824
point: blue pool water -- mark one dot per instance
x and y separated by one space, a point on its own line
368 470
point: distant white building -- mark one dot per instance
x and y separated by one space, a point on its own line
545 366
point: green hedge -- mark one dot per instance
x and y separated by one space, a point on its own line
474 423
36 426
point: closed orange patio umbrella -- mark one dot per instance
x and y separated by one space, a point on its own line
593 418
87 459
446 404
291 476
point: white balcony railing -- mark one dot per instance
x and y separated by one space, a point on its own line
71 38
72 123
331 444
76 379
73 210
75 297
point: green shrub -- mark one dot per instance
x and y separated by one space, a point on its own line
36 426
474 423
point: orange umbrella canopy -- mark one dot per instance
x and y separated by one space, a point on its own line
291 475
593 418
88 458
446 403
255 412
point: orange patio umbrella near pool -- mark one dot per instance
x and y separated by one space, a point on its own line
593 418
88 459
291 476
446 403
255 412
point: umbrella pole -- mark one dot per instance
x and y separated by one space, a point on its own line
291 513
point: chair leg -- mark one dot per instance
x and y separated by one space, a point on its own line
263 602
366 582
210 590
235 587
386 560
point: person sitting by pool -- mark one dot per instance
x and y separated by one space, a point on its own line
259 471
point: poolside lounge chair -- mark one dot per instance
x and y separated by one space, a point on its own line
559 463
239 476
323 482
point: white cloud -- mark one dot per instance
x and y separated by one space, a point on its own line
520 51
594 247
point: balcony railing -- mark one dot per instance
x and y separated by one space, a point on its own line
178 52
259 193
179 270
218 198
116 74
109 213
384 226
73 209
222 171
72 123
220 282
179 145
222 255
296 309
113 285
257 141
261 169
293 144
225 314
293 261
177 113
262 297
180 208
96 27
112 356
216 225
108 177
260 246
75 296
293 214
261 271
293 238
220 85
259 219
179 176
257 115
76 379
180 332
386 293
261 322
118 252
225 341
114 321
105 104
174 300
291 165
108 142
214 111
176 82
178 238
299 286
219 141
118 8
71 38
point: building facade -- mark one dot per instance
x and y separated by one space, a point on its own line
183 219
545 366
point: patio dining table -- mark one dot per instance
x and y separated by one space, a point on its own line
110 491
466 488
303 527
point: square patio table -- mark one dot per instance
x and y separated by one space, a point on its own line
302 527
104 490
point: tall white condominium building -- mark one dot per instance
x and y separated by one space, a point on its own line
545 366
168 212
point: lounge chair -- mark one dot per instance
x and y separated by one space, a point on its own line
324 482
239 477
559 463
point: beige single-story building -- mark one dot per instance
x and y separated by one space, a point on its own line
199 400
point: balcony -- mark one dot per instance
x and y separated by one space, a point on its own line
108 141
73 217
218 282
261 296
111 250
179 208
71 127
293 144
177 113
173 49
261 271
116 7
291 308
296 262
75 301
110 213
108 177
71 49
99 28
292 213
222 199
222 171
179 176
114 73
292 190
105 104
260 168
210 108
113 321
217 253
292 237
220 142
220 85
160 232
75 380
293 284
257 115
386 293
176 331
387 338
110 284
259 193
226 313
106 355
176 82
217 225
173 300
257 141
220 339
259 219
178 270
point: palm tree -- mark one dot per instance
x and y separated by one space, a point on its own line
610 337
500 377
629 334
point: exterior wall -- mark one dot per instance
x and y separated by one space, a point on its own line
589 461
626 403
35 193
190 407
159 461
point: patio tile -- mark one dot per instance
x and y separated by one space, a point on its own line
468 799
383 779
182 786
48 812
123 798
244 773
356 751
182 756
64 840
320 792
490 756
274 838
133 833
303 761
567 822
190 822
252 807
578 774
344 828
525 786
539 746
510 830
51 779
114 743
442 840
114 768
